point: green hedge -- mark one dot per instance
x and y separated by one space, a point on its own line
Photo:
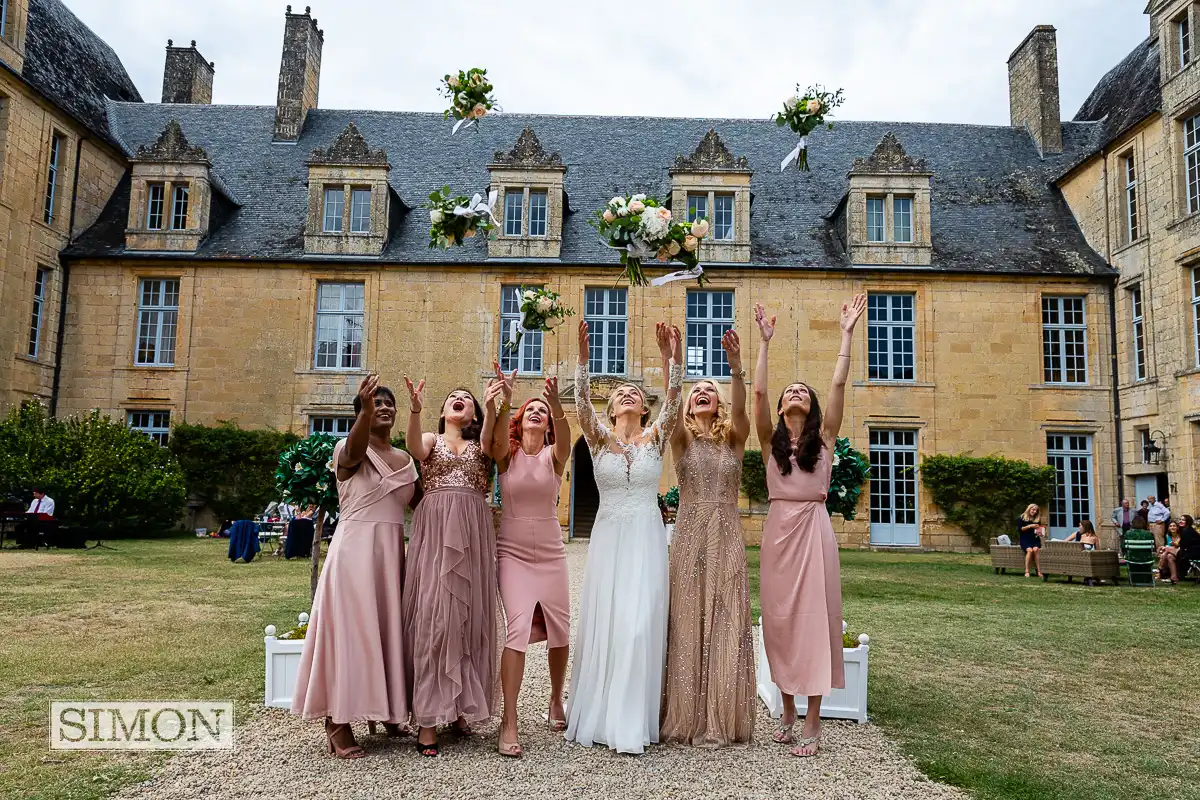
230 469
985 495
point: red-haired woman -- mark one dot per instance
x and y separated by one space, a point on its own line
531 560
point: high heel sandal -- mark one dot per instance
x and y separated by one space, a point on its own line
555 725
509 749
427 750
812 740
353 751
783 735
391 729
461 731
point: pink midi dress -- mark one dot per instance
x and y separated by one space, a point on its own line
530 555
352 667
801 582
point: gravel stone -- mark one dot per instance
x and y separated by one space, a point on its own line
279 755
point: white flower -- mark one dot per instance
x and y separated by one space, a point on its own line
623 211
791 102
841 491
436 216
529 294
616 202
299 468
544 304
638 198
329 465
654 226
836 459
554 322
322 486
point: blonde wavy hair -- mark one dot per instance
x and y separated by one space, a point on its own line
608 411
1031 517
721 423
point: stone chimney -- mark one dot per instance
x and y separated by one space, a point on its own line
1033 89
299 74
187 77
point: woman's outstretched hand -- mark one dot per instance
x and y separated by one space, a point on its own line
585 351
414 394
733 350
766 327
366 394
853 312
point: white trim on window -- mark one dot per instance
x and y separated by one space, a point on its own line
709 315
56 142
360 210
338 427
514 212
1196 311
158 318
1183 28
875 220
539 212
902 220
156 201
179 207
155 424
40 279
1131 211
1071 456
528 359
1064 340
340 332
606 312
891 337
335 205
723 218
1191 160
697 206
1139 333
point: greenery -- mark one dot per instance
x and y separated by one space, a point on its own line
984 496
446 228
1023 690
671 498
754 477
101 474
229 469
304 473
850 471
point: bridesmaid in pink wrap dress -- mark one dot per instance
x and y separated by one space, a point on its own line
801 583
531 453
352 667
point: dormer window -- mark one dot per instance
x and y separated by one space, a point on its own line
875 222
154 211
360 210
530 183
348 197
335 200
902 209
179 208
712 184
172 194
885 217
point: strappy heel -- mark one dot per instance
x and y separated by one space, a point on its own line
783 735
510 749
353 751
428 750
391 729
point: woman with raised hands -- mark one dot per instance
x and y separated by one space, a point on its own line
450 583
531 451
353 665
801 584
710 690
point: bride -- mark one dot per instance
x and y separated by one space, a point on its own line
620 647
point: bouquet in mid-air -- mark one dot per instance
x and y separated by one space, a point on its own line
804 114
641 228
470 96
453 219
541 310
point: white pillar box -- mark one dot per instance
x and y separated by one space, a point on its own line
848 703
283 661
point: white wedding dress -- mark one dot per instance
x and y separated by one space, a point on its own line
621 639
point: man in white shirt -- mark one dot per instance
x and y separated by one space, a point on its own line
41 504
1158 516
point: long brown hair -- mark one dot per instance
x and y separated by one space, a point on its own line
808 448
469 432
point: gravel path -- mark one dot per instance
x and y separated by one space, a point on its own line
281 756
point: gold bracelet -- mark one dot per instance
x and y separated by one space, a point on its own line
842 355
505 407
739 374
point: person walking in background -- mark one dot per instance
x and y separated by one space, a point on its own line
1157 516
1029 532
1122 516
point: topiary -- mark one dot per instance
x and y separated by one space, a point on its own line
305 478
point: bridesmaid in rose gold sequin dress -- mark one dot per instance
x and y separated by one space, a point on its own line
449 608
708 699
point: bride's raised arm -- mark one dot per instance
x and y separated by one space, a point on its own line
593 430
670 346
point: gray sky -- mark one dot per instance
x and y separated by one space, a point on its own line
927 60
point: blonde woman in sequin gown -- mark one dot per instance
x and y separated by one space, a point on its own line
449 606
621 641
709 696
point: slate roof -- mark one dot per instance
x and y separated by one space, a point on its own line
73 67
994 209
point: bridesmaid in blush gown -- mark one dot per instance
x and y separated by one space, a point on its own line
709 696
531 453
450 586
352 667
801 583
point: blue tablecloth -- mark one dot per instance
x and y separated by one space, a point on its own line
243 540
299 539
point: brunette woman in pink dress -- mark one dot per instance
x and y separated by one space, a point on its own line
449 607
352 667
530 556
801 583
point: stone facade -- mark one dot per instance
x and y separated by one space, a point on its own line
347 165
709 171
525 169
299 74
889 174
1033 82
169 165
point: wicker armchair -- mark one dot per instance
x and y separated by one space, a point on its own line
1074 561
1006 556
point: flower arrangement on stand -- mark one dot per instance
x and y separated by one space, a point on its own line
470 96
640 227
541 310
453 219
804 114
851 469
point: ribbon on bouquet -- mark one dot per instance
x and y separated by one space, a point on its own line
473 120
639 249
792 156
681 275
515 331
478 208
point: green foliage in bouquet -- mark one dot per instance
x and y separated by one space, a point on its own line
470 94
541 310
640 227
804 113
851 469
446 228
305 473
984 495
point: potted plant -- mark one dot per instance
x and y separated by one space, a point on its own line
283 661
847 703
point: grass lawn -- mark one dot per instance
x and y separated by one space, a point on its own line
1012 688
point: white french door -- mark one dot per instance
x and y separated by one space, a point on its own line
894 488
1071 457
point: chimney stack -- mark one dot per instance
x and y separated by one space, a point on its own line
299 74
187 77
1033 89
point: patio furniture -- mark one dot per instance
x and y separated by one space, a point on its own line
1006 557
1139 557
1073 560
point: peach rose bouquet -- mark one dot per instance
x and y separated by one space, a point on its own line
470 96
541 310
804 113
453 219
641 228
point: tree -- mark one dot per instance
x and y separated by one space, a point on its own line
229 469
984 496
305 478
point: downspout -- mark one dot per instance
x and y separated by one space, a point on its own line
66 284
1112 332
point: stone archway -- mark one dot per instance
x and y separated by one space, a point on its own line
585 497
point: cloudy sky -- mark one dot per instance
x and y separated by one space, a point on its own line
927 60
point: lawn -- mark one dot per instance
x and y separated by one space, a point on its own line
1017 689
1007 687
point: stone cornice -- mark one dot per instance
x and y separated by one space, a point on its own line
352 149
711 155
172 147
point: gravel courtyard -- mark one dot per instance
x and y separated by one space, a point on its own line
280 756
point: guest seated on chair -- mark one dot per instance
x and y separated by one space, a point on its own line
1189 545
1086 535
1168 570
42 505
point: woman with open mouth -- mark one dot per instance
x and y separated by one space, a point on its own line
450 585
621 641
710 690
531 453
801 589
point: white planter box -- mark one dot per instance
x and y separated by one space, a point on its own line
283 661
848 703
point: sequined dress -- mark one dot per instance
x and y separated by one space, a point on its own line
621 640
709 696
449 607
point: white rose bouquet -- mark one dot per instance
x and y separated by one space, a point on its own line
470 96
641 228
541 310
453 219
804 114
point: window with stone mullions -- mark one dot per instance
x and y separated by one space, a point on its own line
606 313
335 204
891 332
514 202
360 211
179 208
1064 340
155 424
155 205
340 326
875 219
1139 334
39 304
1131 213
1191 157
709 315
723 217
158 319
528 358
338 427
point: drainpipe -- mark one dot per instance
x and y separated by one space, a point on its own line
1112 332
66 283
